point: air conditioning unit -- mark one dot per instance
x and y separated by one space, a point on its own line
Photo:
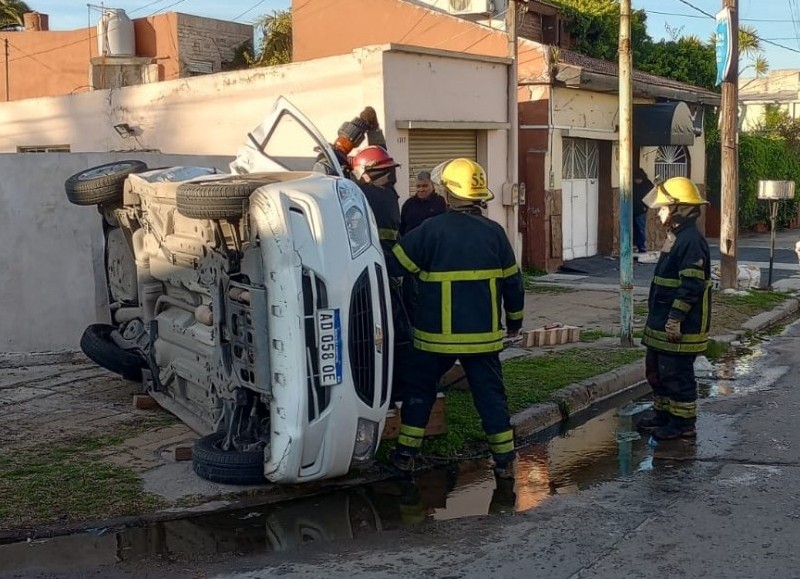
463 7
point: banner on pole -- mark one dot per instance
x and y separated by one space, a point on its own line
724 44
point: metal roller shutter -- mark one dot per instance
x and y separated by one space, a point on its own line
427 148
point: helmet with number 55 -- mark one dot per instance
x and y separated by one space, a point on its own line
464 179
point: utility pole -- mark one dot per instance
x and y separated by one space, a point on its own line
512 213
8 85
729 221
625 176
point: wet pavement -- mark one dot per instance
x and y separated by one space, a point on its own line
591 449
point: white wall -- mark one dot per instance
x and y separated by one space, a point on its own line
444 89
51 267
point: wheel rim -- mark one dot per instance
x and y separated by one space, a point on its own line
104 171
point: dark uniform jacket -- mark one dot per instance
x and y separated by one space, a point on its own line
417 210
385 206
466 270
681 289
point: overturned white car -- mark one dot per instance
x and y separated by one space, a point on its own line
254 306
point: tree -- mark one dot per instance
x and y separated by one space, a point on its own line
276 39
687 59
594 27
11 12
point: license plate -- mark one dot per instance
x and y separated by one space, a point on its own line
329 347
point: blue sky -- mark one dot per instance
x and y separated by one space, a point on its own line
772 18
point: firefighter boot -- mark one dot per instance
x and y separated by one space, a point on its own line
505 465
402 460
659 419
676 428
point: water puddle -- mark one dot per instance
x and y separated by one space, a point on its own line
593 448
596 448
743 371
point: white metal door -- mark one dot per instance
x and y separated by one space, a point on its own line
580 190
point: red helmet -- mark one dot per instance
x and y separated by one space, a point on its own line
371 158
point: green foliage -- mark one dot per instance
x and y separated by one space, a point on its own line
594 27
11 12
760 157
685 59
276 39
527 381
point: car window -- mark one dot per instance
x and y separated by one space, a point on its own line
286 140
291 145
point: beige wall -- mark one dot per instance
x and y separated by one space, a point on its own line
211 115
595 116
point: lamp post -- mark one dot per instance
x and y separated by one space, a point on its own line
774 192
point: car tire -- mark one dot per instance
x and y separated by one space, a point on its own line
98 346
229 467
215 199
101 184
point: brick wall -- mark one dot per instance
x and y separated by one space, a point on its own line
205 44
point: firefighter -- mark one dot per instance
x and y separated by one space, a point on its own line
376 174
679 311
466 270
349 136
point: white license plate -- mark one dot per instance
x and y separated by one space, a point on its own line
329 347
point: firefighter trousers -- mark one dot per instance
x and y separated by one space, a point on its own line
671 376
485 376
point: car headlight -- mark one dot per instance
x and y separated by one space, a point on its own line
366 440
356 218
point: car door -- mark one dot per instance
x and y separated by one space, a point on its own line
285 141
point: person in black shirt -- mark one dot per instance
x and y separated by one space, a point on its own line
641 187
426 203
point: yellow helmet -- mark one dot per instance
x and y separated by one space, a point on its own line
464 179
674 191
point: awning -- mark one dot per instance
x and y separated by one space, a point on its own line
662 124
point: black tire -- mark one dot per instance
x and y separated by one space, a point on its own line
101 184
215 199
98 346
227 467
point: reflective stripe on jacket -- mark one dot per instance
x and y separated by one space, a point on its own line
385 206
681 289
467 273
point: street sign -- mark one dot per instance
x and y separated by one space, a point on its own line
724 44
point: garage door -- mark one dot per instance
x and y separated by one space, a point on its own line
427 148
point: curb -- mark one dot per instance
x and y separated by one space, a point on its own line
576 398
584 395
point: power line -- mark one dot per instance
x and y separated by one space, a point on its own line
698 17
167 7
253 7
700 10
756 36
146 6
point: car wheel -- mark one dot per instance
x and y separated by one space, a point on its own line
98 346
101 184
215 199
230 467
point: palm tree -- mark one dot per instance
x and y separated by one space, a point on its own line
276 39
11 12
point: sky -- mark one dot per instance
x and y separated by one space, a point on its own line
773 19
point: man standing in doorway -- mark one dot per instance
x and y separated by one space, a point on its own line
679 311
425 204
641 187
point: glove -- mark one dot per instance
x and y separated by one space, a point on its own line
673 330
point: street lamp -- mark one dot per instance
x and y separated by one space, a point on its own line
774 192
